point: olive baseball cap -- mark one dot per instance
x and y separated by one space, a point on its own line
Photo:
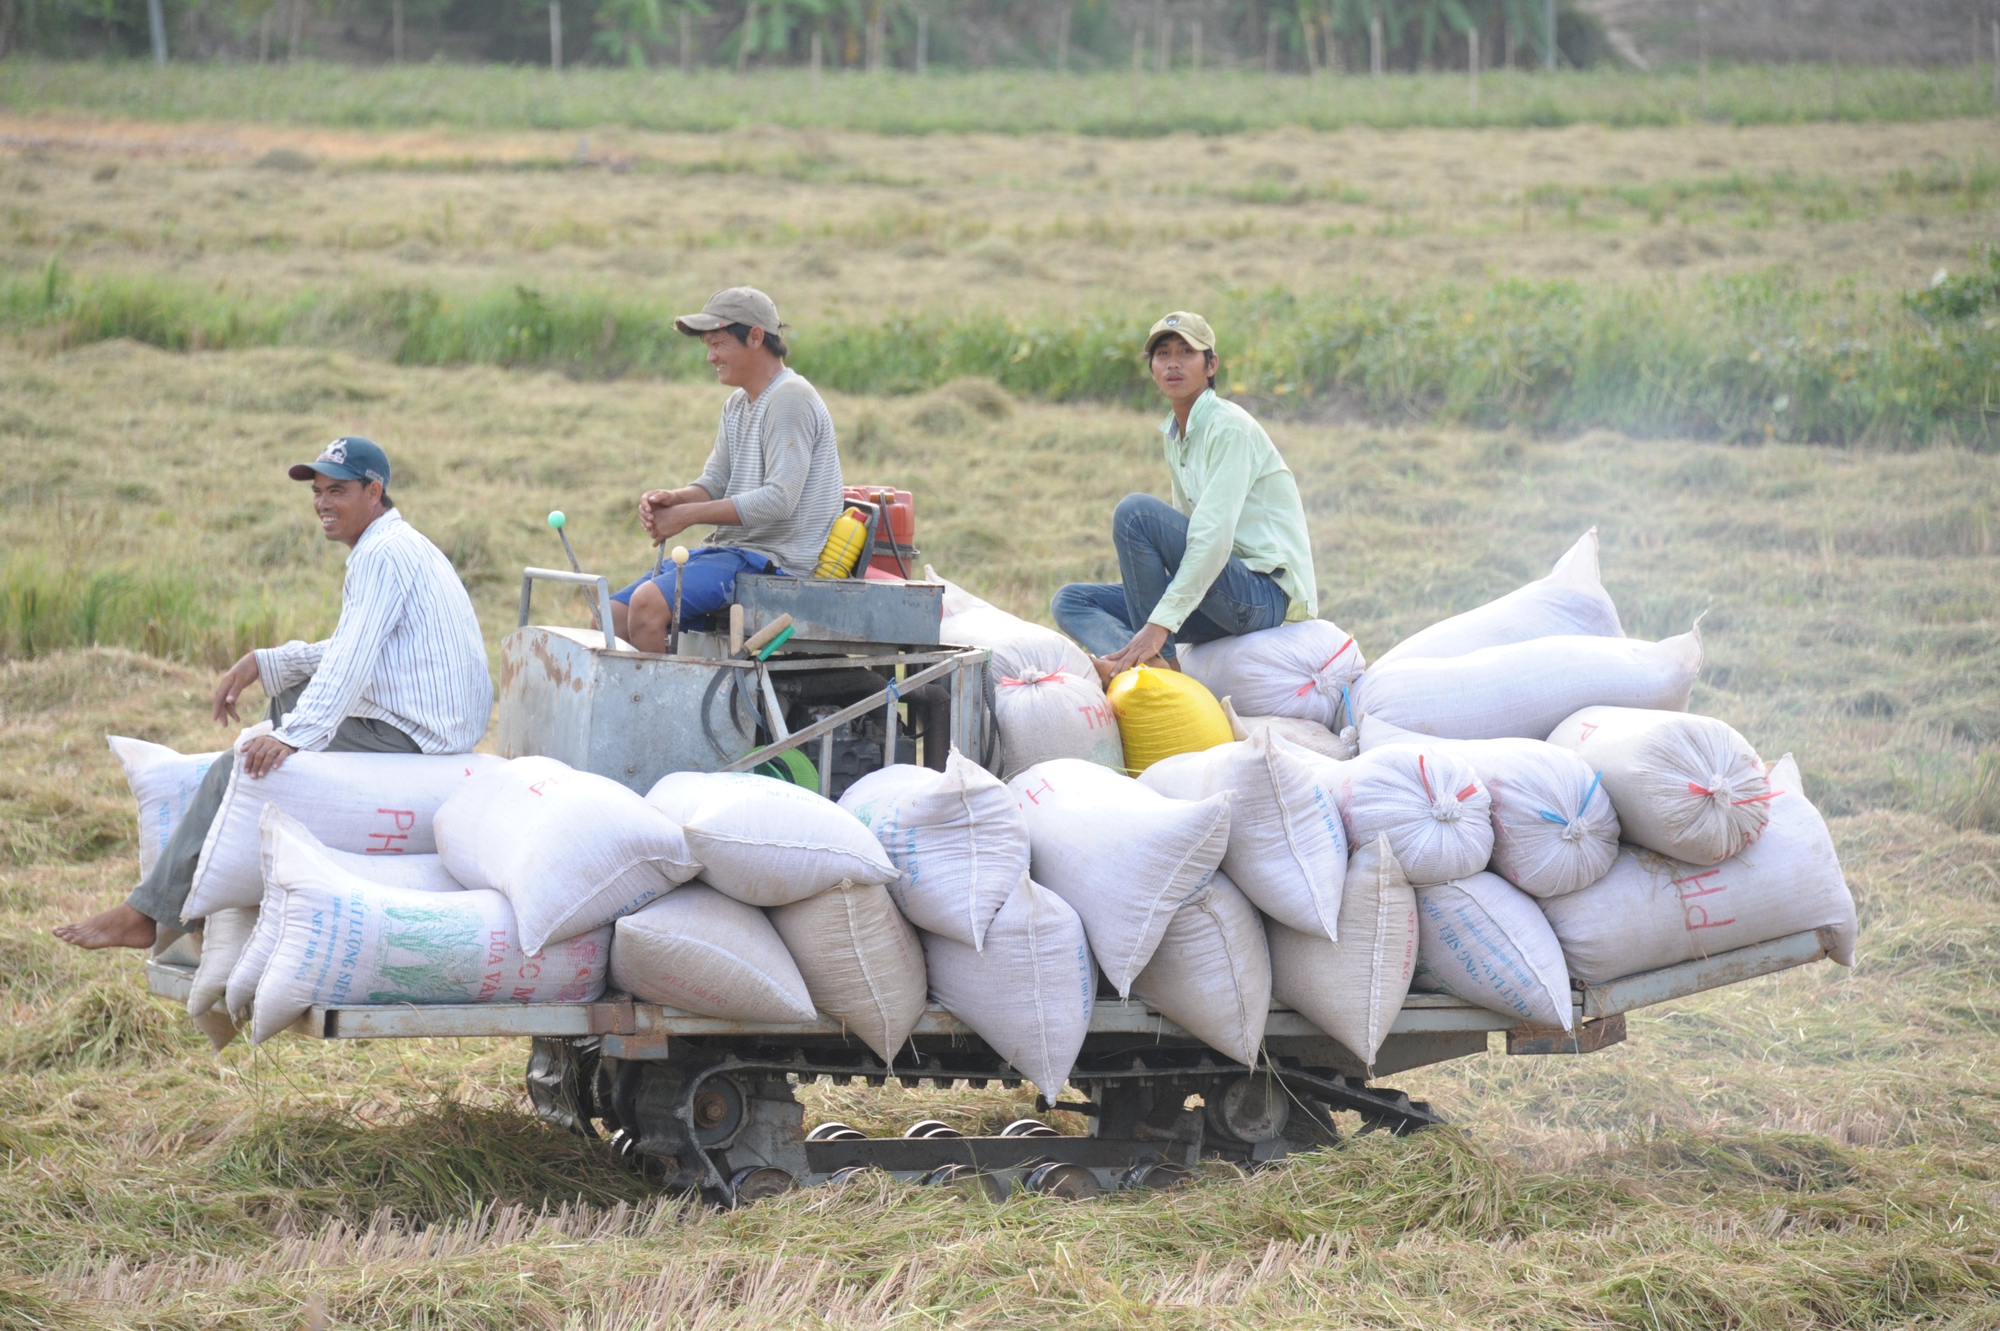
732 305
1193 330
348 458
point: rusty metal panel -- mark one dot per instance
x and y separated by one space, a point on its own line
844 610
409 1020
1587 1038
166 980
630 716
1691 977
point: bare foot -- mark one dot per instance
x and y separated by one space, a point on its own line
1162 663
1106 672
121 926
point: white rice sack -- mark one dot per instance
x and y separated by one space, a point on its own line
224 935
1554 828
1029 993
572 850
416 873
1287 847
769 843
1124 856
862 962
1353 989
956 838
1484 940
1570 602
1212 971
1300 670
1047 700
1049 714
700 951
1311 735
1527 688
1687 786
366 803
342 940
1651 911
1431 805
163 783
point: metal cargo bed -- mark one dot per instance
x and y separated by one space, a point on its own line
705 1102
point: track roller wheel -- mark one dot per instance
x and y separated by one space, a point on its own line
835 1132
931 1127
1070 1183
759 1182
967 1178
1028 1127
1155 1174
847 1175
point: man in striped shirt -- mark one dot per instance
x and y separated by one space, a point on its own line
772 485
404 672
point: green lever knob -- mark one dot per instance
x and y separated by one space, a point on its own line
556 519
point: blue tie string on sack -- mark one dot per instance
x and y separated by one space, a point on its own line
1561 821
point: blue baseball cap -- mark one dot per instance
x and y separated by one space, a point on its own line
348 458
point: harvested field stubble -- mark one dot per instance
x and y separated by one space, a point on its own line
1722 283
1809 1149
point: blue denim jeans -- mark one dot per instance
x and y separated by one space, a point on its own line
1151 537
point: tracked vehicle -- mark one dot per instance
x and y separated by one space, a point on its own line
708 1104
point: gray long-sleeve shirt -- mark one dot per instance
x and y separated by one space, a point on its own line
407 650
778 459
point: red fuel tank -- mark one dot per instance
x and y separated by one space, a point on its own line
900 509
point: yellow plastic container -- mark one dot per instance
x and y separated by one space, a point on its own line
1163 712
843 546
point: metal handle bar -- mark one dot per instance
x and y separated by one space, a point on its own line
601 611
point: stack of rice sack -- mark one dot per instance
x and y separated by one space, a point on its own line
1627 833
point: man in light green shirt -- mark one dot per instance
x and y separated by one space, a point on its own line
1229 556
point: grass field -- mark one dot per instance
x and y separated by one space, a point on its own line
1815 1149
1110 103
1710 281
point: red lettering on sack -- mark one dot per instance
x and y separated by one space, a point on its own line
1589 729
1696 916
524 993
405 819
529 970
536 789
1098 714
389 844
1032 795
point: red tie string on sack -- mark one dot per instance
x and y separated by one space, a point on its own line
1425 776
1693 789
1307 687
1468 792
1039 679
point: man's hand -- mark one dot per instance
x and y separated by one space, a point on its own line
230 687
1145 645
653 505
264 755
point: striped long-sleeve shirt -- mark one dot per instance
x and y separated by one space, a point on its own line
777 458
407 650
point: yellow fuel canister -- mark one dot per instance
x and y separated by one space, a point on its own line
843 546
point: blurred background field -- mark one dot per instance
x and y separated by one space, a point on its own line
1751 339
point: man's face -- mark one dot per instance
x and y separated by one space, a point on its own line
345 508
732 359
1179 370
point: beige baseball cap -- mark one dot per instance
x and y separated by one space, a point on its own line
1193 330
733 305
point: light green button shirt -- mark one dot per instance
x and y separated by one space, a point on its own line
1240 499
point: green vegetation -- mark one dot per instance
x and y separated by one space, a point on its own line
1734 359
1010 102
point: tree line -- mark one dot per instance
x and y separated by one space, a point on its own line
1277 36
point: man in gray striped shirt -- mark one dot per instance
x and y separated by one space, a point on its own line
772 485
404 672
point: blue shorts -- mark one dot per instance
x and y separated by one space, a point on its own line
708 583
